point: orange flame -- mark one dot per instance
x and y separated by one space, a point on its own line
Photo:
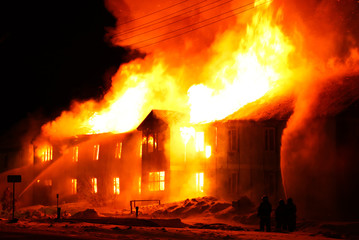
241 68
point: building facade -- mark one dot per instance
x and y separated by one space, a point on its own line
165 158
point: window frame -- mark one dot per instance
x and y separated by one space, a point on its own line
157 181
233 140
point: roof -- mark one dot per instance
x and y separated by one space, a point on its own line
277 108
330 98
161 119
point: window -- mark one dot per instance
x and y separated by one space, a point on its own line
199 141
118 151
93 185
156 181
75 154
48 182
234 183
96 151
199 182
74 186
139 185
232 140
116 185
269 139
150 143
47 154
208 151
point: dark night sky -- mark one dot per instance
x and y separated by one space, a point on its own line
52 52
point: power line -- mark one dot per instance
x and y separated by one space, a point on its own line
174 22
152 13
194 29
191 25
149 23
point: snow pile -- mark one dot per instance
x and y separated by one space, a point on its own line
36 212
87 214
240 211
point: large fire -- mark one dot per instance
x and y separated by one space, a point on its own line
240 66
209 59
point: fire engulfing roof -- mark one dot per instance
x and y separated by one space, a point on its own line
160 119
279 108
331 98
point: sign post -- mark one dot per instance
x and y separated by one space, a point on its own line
13 179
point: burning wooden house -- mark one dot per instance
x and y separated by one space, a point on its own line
223 150
166 159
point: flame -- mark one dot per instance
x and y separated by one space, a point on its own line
44 152
244 73
187 133
241 67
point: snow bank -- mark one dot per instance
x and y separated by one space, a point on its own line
241 211
88 213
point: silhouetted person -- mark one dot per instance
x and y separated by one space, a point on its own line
291 215
264 212
281 216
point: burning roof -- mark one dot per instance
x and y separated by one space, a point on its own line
250 65
161 119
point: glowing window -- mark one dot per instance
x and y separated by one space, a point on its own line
94 185
150 143
199 141
116 185
144 145
48 182
144 140
75 154
118 151
96 151
139 185
199 182
47 154
156 181
74 186
208 151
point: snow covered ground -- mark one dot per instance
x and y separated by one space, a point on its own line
200 218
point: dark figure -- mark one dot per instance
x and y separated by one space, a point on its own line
264 212
281 216
291 215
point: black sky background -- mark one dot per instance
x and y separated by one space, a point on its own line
52 52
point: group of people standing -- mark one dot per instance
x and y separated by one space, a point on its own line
285 215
